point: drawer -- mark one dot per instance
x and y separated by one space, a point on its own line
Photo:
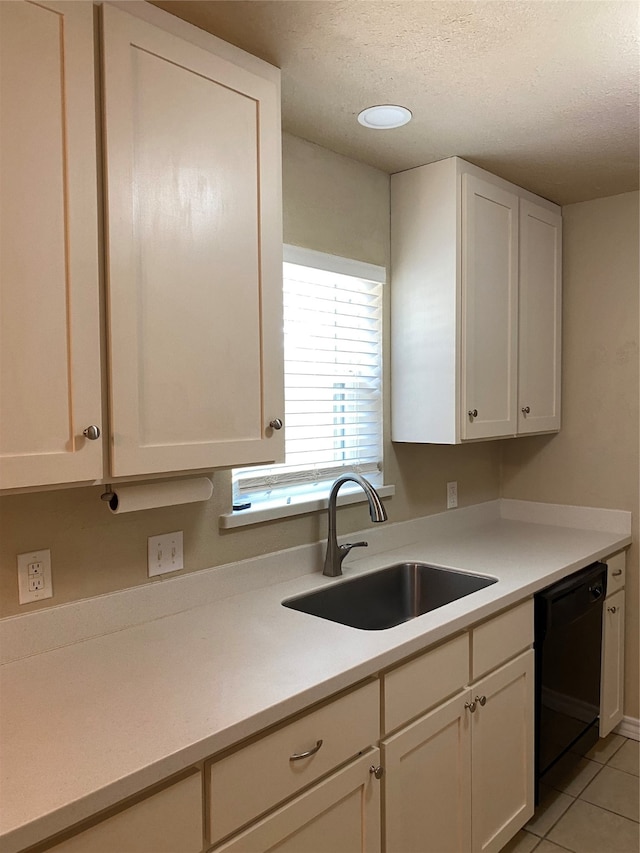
341 813
615 572
164 822
251 780
502 637
421 683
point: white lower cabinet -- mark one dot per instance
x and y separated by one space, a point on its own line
247 782
612 667
461 777
164 822
612 683
340 814
502 745
427 782
455 779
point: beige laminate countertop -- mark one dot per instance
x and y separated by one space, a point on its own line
91 723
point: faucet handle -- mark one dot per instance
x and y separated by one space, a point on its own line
344 549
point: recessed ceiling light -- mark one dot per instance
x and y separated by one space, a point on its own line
384 116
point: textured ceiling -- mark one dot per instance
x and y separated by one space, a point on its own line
543 93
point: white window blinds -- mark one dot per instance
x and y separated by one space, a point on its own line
333 377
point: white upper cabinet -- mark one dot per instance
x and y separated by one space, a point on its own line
540 322
193 239
489 309
194 253
476 306
50 389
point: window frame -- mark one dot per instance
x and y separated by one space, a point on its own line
312 496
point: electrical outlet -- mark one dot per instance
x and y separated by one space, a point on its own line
452 495
34 576
164 553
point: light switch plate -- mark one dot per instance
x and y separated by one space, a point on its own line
165 553
34 576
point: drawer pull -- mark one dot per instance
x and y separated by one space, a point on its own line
617 573
482 700
613 609
376 771
297 756
471 706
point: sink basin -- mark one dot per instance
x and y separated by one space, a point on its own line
390 596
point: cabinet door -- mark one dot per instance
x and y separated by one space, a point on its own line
489 309
539 327
194 253
612 684
427 782
341 814
502 754
49 311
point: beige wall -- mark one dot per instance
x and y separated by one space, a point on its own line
332 204
593 460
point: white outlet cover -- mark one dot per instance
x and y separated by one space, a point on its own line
452 495
165 553
41 560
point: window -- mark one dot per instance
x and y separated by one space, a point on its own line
333 380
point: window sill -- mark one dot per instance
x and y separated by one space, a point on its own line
244 517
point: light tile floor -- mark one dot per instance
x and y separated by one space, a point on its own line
589 805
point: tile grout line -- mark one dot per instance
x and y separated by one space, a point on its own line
577 796
619 770
559 846
625 741
601 765
568 809
605 809
593 805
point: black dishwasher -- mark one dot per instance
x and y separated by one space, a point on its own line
568 643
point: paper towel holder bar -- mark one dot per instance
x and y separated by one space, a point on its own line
109 495
131 497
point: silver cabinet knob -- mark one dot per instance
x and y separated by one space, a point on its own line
276 423
298 755
526 410
612 609
471 706
473 413
482 700
376 771
91 432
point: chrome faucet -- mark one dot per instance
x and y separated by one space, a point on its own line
336 553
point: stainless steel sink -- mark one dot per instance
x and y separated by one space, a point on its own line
390 596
